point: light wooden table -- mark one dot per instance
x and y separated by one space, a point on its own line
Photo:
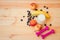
11 28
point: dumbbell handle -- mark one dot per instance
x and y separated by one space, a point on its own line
42 30
45 35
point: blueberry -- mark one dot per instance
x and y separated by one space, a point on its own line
23 16
28 20
41 10
36 9
44 24
33 17
47 12
50 24
44 6
21 19
28 11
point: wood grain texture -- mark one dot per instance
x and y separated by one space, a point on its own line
11 11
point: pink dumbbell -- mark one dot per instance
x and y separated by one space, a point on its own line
45 35
42 30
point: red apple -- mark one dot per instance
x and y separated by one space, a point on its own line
33 22
33 6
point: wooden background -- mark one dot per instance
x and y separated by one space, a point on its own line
11 11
